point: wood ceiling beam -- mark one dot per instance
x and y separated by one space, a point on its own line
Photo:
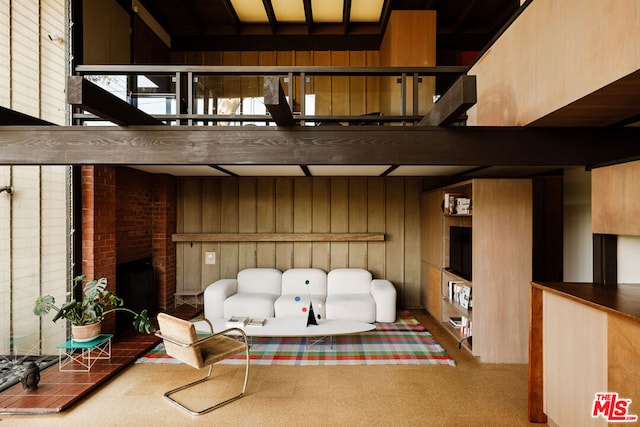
308 16
83 94
10 117
271 15
276 102
461 96
360 145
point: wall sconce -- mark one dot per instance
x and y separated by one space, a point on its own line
7 188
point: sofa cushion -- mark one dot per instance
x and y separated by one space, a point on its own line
294 301
349 281
260 280
360 307
256 304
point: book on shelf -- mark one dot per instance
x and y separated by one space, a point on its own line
456 204
465 297
456 321
237 321
257 321
455 290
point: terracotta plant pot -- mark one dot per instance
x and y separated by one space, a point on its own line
85 332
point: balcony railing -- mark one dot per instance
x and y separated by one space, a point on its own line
234 96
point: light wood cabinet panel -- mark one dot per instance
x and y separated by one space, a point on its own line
615 201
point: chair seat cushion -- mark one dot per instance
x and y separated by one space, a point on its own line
250 304
297 305
360 307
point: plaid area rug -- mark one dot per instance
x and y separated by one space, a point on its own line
405 342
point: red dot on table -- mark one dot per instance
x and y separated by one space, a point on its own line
304 309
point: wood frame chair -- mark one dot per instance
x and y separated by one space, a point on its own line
182 343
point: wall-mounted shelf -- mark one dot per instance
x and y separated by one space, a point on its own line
278 237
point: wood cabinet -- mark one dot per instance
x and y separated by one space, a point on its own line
501 252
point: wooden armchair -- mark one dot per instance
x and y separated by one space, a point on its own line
182 343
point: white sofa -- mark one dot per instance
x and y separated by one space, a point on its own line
345 293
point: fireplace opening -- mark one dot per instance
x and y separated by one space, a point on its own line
136 284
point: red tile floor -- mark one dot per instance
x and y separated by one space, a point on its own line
57 390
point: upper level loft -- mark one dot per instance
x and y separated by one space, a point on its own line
267 96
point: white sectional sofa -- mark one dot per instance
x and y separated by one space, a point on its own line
345 293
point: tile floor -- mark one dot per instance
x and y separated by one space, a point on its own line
57 390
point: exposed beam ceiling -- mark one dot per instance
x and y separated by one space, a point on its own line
217 25
387 145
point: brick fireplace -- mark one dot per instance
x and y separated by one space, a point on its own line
128 216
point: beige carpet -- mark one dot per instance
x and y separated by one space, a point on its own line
469 394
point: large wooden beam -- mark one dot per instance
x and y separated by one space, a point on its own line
461 96
276 102
10 117
354 145
83 94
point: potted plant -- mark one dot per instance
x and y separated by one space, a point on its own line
87 314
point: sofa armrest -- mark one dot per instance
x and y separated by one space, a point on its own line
384 294
214 296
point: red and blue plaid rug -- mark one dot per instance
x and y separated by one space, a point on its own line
404 342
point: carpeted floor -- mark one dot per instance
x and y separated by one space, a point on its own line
405 342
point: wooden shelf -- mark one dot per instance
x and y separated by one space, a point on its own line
278 237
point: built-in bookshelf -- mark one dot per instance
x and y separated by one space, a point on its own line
485 293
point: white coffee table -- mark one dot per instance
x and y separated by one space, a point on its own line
294 327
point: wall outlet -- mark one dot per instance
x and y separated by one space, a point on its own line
210 258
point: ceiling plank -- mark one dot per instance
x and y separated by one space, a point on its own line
461 96
335 145
83 94
10 117
276 102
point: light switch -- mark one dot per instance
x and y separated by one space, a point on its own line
210 258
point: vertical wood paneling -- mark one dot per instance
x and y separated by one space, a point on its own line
302 221
267 58
395 234
373 83
229 223
376 224
5 266
284 222
191 253
247 221
52 62
322 85
266 221
357 220
25 38
53 254
5 55
411 277
321 206
308 205
358 85
210 223
25 246
340 98
34 226
339 221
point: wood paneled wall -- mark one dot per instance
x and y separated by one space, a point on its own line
302 205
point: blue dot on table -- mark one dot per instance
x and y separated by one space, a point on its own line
297 298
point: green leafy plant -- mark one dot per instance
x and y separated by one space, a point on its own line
97 301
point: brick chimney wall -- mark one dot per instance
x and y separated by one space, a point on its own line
128 215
